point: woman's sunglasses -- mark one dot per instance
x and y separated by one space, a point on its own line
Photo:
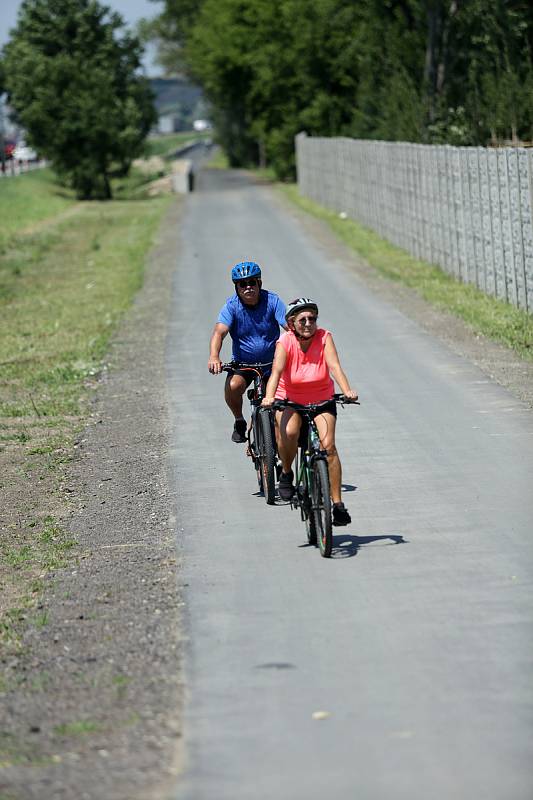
306 320
242 284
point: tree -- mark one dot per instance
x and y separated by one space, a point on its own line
416 70
76 89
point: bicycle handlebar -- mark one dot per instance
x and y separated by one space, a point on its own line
233 365
338 398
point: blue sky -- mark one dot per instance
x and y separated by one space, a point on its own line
131 10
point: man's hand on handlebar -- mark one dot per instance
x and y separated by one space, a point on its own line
214 365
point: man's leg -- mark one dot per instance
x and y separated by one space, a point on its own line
234 389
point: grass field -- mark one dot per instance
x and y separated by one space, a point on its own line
68 271
30 198
496 319
167 144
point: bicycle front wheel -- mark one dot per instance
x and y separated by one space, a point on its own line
321 504
267 457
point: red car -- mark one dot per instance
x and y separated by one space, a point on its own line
9 147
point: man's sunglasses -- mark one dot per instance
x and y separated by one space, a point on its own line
242 284
306 320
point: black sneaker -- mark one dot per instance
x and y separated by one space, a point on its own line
239 431
340 514
285 485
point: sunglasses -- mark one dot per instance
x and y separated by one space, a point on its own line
242 284
306 320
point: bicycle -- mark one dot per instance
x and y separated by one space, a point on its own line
312 491
260 434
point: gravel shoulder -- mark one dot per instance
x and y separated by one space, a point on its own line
92 706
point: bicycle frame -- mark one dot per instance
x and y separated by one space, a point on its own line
306 457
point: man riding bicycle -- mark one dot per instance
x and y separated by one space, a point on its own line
304 361
252 317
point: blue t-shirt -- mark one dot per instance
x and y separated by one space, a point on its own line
254 329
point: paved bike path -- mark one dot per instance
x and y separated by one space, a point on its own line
415 639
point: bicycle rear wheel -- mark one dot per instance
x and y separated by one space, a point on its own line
267 456
321 503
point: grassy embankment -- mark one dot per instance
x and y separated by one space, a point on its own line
493 318
68 271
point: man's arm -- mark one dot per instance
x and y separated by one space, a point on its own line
214 364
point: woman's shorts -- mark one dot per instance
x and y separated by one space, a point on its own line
327 408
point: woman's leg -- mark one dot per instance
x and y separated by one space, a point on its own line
326 430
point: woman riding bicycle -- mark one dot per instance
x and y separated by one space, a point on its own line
304 361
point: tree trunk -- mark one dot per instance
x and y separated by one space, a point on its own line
108 195
438 32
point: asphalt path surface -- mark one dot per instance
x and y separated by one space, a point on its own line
401 667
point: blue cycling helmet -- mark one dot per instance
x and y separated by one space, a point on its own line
246 269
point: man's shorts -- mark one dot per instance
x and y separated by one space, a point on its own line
249 374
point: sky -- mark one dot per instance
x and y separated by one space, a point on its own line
131 10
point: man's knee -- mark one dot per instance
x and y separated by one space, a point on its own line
236 385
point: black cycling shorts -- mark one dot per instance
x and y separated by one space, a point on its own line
327 408
249 374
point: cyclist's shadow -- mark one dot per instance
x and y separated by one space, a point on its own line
346 545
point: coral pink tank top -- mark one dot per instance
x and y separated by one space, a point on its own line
306 377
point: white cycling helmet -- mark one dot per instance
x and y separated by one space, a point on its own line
300 304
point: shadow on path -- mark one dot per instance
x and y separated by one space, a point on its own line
346 546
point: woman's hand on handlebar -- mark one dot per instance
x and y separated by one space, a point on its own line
351 395
267 402
214 365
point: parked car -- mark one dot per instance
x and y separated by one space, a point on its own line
24 153
9 146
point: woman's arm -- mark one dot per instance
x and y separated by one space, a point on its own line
278 365
334 365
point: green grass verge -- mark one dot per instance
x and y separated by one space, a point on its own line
218 160
63 289
493 318
166 144
29 198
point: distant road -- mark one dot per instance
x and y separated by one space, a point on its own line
415 641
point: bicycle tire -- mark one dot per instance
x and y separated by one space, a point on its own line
307 510
322 507
267 457
254 442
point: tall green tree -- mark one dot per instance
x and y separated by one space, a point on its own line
75 85
415 70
